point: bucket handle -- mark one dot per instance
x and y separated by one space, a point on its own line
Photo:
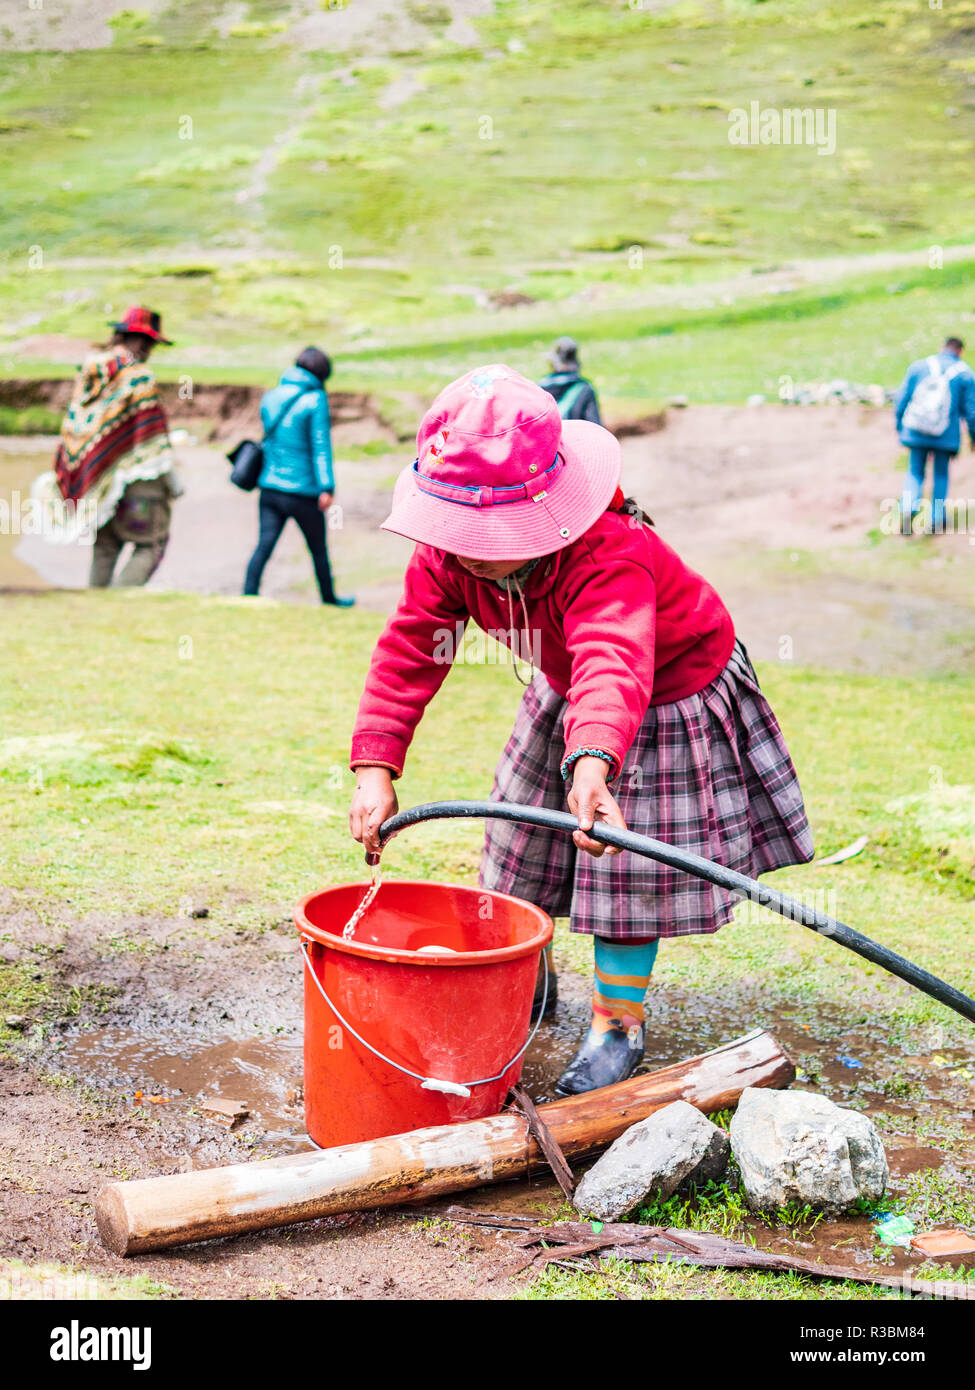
429 1083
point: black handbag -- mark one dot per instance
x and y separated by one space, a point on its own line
248 456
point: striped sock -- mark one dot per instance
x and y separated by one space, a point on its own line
622 974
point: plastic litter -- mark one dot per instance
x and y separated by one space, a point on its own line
847 852
848 1061
895 1230
950 1242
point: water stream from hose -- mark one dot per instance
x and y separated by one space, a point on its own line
348 931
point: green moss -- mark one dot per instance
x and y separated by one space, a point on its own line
25 992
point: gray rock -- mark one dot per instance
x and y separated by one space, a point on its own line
796 1147
652 1158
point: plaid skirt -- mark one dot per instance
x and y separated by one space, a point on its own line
710 773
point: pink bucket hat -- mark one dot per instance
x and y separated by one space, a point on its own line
499 475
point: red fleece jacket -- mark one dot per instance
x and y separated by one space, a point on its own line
617 620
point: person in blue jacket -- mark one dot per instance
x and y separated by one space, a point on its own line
936 393
296 480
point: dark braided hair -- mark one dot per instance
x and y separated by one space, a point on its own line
632 508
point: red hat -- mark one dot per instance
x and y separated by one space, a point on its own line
144 321
499 475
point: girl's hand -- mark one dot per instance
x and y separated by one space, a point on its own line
325 500
591 800
374 801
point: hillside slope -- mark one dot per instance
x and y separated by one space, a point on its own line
470 174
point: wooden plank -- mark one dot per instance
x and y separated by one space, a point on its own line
156 1213
542 1135
656 1244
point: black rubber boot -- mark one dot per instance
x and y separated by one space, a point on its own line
602 1059
553 987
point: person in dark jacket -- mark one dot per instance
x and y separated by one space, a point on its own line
575 395
297 480
951 383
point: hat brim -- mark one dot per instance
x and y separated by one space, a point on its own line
142 333
517 530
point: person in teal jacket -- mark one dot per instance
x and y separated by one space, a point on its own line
297 481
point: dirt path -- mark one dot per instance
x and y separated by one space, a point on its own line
773 504
726 289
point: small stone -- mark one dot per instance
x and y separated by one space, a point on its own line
199 912
679 401
756 399
19 1022
229 1113
651 1160
795 1147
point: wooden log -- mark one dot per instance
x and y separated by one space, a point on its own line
155 1213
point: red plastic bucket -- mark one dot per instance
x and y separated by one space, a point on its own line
452 1018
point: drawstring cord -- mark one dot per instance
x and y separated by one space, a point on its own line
527 631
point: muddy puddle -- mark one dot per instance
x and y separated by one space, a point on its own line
922 1101
264 1074
852 1066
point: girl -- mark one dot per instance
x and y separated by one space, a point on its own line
643 688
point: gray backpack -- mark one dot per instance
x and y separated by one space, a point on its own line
929 409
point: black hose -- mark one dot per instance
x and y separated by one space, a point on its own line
700 868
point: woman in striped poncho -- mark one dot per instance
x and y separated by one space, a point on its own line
114 469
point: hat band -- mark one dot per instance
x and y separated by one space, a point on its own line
473 495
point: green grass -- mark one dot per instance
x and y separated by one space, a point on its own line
32 419
133 720
374 227
56 1281
161 750
32 988
668 1280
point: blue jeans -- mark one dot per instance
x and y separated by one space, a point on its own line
914 486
